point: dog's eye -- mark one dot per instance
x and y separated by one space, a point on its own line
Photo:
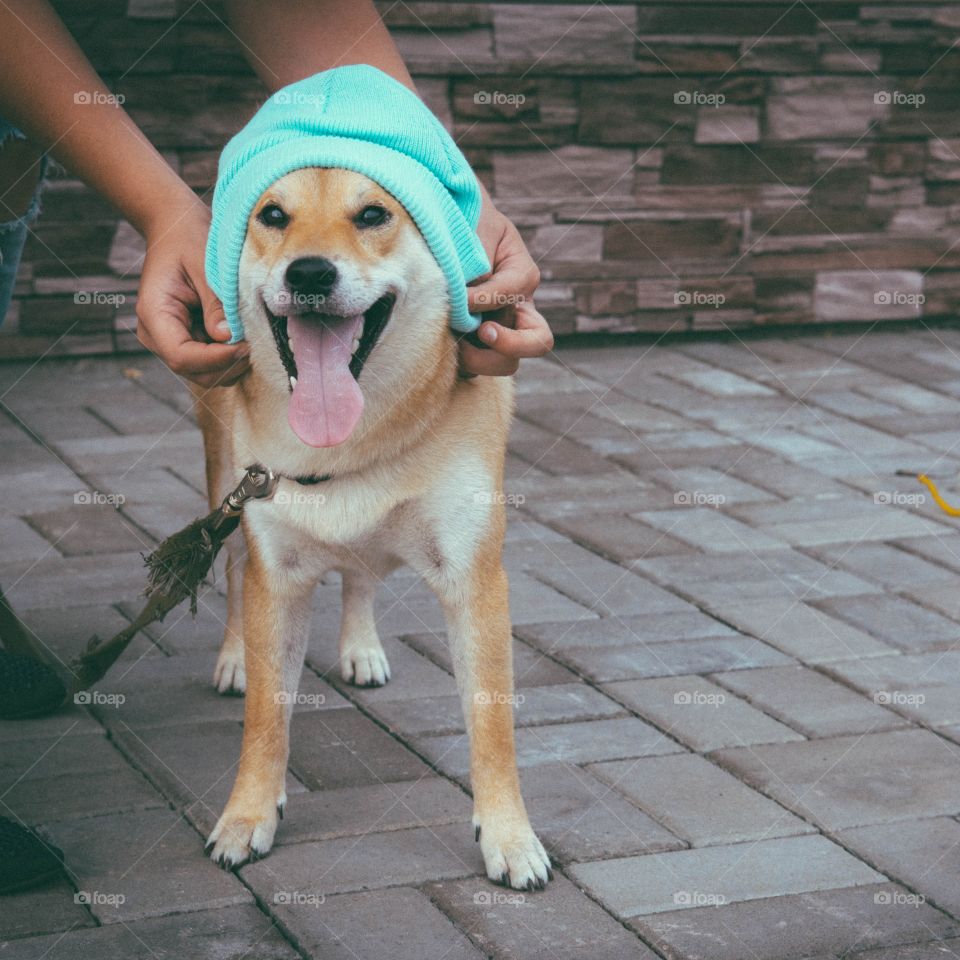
272 216
372 216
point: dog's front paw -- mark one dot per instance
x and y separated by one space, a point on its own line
229 675
512 853
365 666
240 836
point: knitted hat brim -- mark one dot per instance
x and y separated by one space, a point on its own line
429 203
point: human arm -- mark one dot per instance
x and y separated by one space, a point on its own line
50 91
288 40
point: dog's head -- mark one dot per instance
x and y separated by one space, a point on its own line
342 302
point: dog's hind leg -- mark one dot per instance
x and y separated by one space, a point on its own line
362 660
478 617
229 675
214 419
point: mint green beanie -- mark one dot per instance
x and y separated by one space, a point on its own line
358 118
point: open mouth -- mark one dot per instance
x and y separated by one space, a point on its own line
374 320
322 356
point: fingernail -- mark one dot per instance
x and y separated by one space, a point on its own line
223 327
488 332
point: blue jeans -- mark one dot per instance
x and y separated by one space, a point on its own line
13 233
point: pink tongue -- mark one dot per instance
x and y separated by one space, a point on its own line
326 403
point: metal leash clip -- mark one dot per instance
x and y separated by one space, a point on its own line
258 483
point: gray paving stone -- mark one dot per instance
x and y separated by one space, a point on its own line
557 703
354 811
580 818
698 713
65 754
813 778
896 621
370 862
624 631
810 702
557 743
47 799
710 530
635 886
231 933
75 581
194 765
822 923
919 853
65 632
179 689
618 536
942 550
932 950
884 564
69 721
907 672
698 801
412 676
939 597
151 859
88 528
39 911
343 748
709 655
362 926
746 576
559 923
531 668
801 630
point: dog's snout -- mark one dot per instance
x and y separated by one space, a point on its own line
311 275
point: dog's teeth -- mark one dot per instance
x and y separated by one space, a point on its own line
355 345
293 382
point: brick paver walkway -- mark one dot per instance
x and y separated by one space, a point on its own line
737 652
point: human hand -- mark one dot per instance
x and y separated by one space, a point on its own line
179 318
515 328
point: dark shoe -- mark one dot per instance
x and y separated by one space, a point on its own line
25 860
28 688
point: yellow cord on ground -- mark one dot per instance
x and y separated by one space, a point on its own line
940 502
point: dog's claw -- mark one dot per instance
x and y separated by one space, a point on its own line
476 833
280 810
504 879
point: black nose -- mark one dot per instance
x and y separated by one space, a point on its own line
311 275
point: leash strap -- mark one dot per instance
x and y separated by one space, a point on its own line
176 569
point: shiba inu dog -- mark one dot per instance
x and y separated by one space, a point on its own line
353 390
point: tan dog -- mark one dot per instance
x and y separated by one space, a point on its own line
354 377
